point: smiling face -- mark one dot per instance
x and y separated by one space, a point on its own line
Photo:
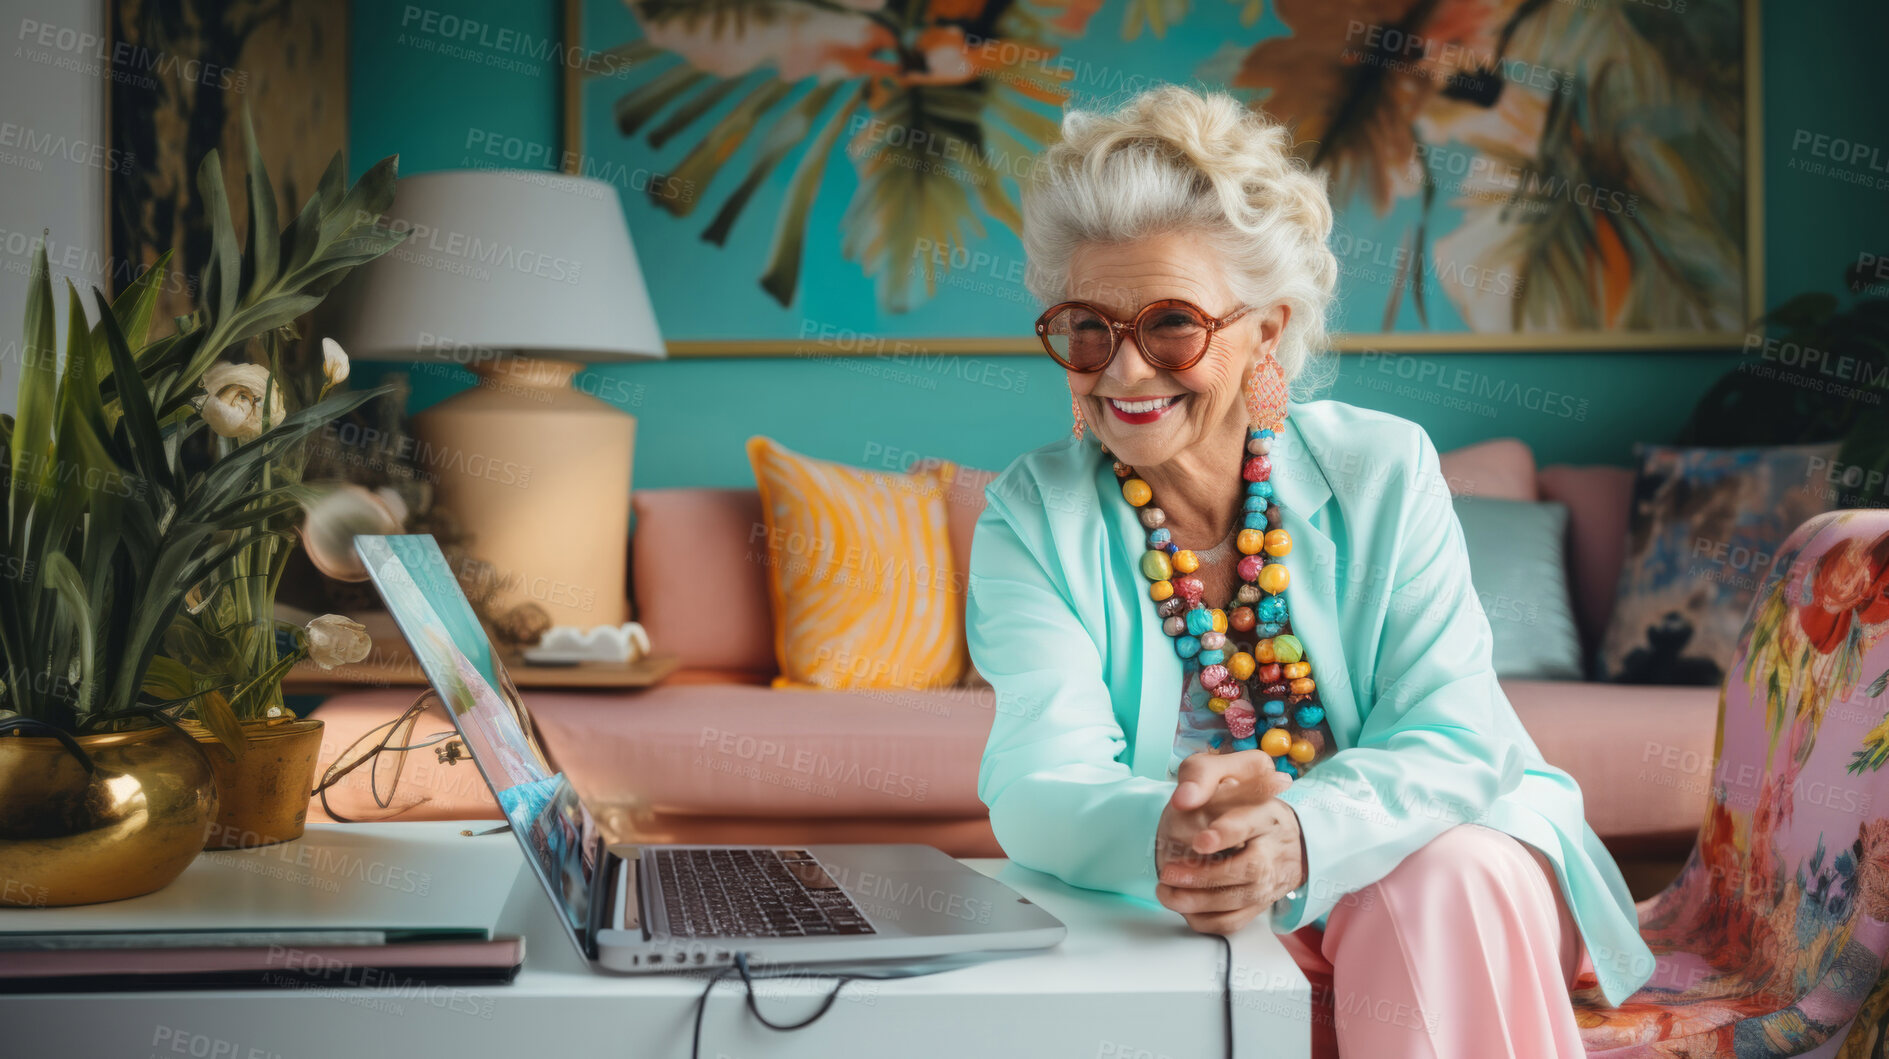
1146 415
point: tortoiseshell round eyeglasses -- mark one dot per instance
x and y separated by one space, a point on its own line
1172 334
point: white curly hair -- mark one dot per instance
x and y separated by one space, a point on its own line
1176 160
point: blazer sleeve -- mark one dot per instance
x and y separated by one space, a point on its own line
1061 798
1433 750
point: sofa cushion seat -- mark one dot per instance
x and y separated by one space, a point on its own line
720 677
1642 754
743 750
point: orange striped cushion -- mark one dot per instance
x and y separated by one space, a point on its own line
865 591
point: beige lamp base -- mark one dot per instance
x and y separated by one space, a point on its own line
538 477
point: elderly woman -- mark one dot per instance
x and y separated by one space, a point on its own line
1239 666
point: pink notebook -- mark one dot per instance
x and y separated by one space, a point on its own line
297 967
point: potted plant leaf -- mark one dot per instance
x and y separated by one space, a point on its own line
114 523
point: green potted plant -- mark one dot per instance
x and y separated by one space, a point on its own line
119 514
1814 371
225 652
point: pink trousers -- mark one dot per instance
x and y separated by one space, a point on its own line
1465 950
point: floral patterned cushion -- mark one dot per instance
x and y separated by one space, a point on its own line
1772 940
1701 532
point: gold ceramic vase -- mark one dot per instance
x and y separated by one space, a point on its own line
264 790
130 826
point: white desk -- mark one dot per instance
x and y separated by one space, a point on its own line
1129 982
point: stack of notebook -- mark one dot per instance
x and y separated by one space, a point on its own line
383 907
229 959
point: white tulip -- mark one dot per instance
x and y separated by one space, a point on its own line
334 363
334 641
233 400
339 515
396 506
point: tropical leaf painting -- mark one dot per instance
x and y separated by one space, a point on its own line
923 101
1499 167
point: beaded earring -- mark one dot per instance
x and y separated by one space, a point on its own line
1075 415
1266 395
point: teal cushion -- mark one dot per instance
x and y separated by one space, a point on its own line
1518 565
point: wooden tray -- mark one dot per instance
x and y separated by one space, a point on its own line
393 665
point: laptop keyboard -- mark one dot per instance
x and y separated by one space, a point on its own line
752 893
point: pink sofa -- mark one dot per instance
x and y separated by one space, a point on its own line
716 754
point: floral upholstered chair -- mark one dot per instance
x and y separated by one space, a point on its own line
1772 940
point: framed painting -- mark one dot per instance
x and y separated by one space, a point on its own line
182 71
809 177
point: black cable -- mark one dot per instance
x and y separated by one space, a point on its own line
1226 990
701 1005
748 977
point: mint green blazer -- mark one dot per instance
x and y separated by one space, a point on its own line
1088 687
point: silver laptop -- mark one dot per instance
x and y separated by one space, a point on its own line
656 908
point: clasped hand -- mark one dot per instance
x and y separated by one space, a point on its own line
1226 848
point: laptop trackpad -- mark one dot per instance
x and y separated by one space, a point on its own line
801 865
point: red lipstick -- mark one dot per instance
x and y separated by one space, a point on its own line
1142 413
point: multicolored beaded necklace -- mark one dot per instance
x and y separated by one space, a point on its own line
1248 654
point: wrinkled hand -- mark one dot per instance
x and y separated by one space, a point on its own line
1226 848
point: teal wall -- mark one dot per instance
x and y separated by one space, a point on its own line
414 95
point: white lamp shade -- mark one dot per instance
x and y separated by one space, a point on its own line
495 259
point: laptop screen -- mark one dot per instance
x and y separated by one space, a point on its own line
557 833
